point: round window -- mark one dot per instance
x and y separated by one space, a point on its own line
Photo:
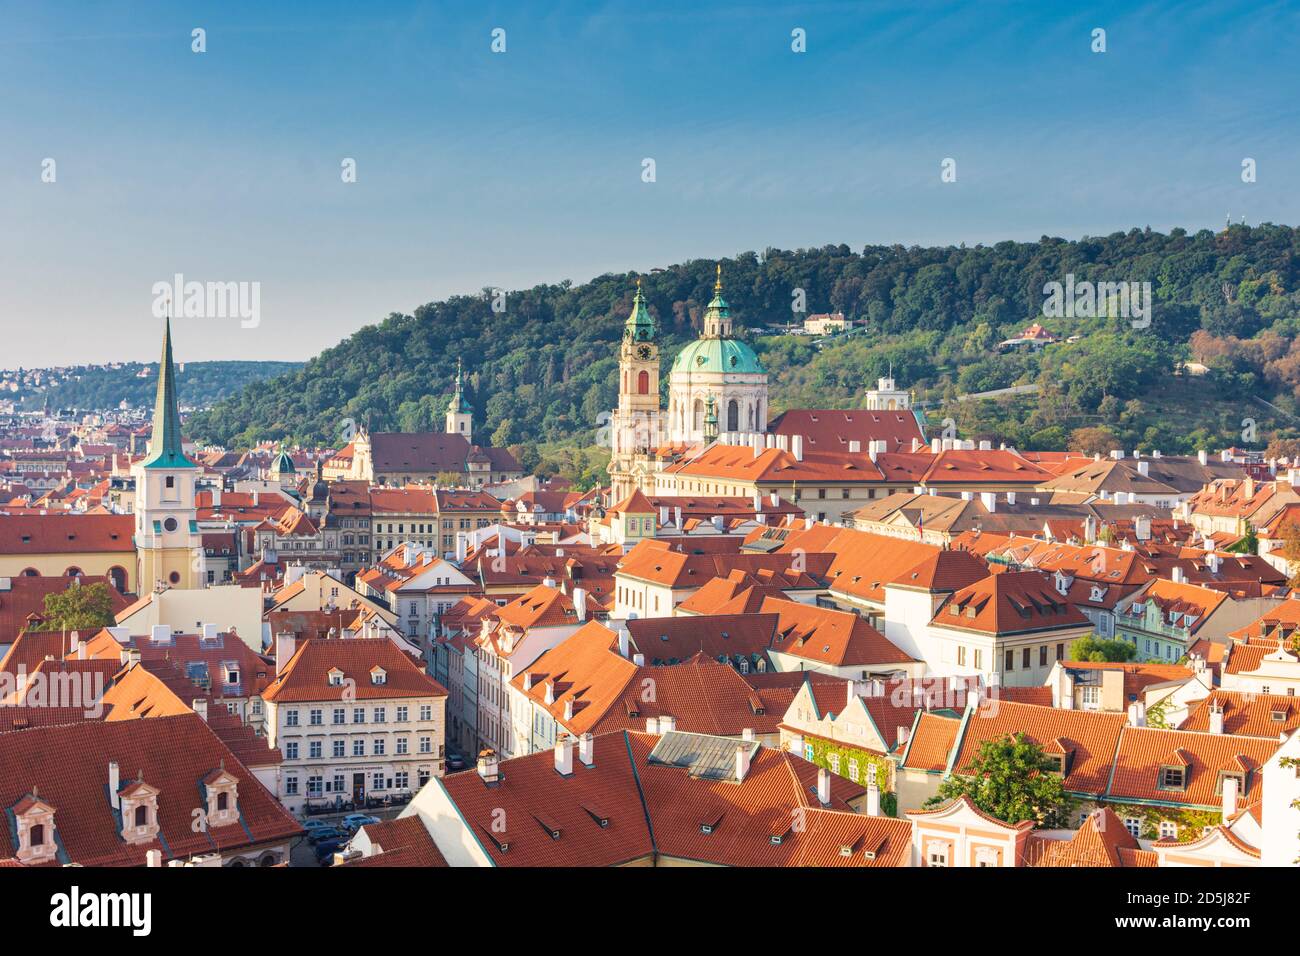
170 524
174 577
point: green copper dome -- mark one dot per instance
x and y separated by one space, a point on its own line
718 355
283 464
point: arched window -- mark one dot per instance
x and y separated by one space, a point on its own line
73 572
643 383
733 416
31 573
117 575
698 416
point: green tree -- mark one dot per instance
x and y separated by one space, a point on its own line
1099 649
80 607
1012 780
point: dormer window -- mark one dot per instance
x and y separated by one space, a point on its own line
35 824
335 677
139 805
378 676
1173 778
222 791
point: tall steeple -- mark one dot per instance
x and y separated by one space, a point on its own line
640 325
460 415
165 446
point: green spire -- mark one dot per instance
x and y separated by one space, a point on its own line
458 401
284 464
640 326
165 449
717 314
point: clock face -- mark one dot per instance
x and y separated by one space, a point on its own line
644 351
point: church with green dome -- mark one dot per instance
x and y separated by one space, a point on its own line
718 366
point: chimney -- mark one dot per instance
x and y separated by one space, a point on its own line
667 725
652 725
284 647
638 660
1213 561
1178 576
527 681
1011 497
1116 454
568 709
1142 527
873 793
587 750
153 858
747 734
824 787
796 744
1144 468
989 500
548 582
677 517
160 634
1203 457
1137 714
200 706
742 762
209 630
81 650
114 785
1216 717
580 603
624 639
855 448
796 447
775 499
564 755
489 767
1229 798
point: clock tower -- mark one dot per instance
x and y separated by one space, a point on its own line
635 429
168 545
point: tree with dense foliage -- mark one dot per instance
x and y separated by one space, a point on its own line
544 372
1100 649
1011 779
80 607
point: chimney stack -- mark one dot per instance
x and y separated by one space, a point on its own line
747 734
1137 714
153 858
200 706
1216 717
580 603
652 725
742 762
1229 798
824 787
284 648
667 725
114 785
587 749
489 767
564 755
873 793
796 447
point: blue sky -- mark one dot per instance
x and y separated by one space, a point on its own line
478 169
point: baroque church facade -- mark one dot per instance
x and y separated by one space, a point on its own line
716 386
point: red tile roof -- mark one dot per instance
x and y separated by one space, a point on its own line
306 676
173 754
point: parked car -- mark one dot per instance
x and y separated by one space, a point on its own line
319 835
325 851
455 762
311 825
355 821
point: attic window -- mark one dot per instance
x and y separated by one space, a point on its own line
1277 716
1172 778
378 676
708 826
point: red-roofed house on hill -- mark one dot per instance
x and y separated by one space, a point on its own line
356 720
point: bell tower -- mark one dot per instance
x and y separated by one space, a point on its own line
460 416
635 428
168 545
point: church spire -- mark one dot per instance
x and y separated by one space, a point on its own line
458 401
640 325
717 314
165 446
